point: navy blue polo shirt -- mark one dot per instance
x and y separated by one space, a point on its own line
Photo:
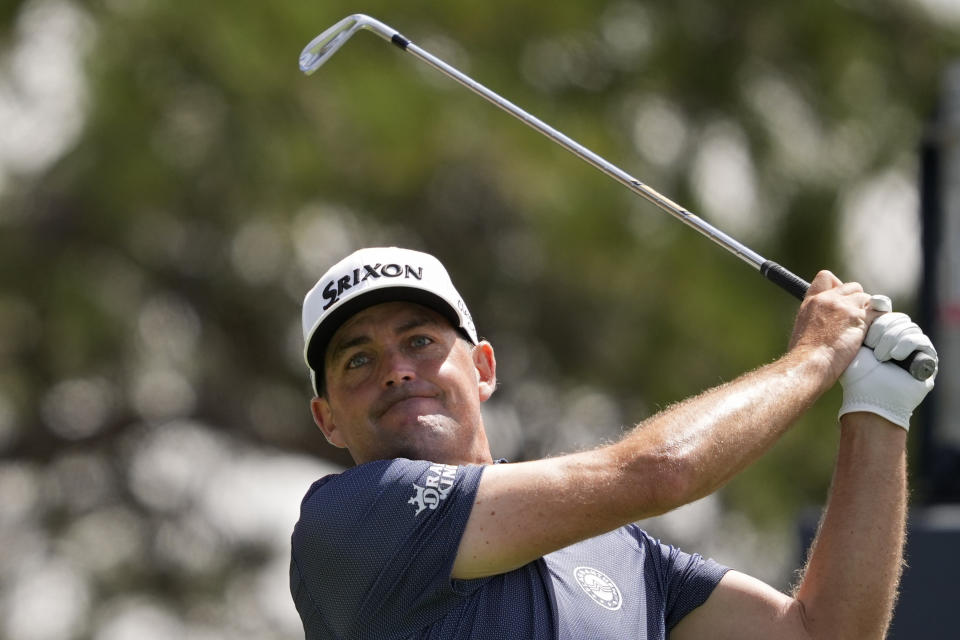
375 545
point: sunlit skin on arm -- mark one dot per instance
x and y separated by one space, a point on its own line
526 510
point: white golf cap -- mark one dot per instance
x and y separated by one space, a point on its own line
371 276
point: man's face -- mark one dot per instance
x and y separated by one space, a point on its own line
401 382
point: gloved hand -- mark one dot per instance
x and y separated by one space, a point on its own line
871 384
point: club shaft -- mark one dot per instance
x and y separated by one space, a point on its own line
777 274
746 254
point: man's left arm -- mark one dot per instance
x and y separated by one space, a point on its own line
849 586
850 583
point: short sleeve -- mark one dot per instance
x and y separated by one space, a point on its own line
375 546
689 580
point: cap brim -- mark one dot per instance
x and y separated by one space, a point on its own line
320 337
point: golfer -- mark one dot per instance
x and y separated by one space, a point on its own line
428 537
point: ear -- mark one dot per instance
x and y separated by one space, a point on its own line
486 365
324 419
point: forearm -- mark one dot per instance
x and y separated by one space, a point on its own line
850 584
691 449
525 510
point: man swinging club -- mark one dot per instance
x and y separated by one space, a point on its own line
427 538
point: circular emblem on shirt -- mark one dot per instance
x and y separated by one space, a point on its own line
599 587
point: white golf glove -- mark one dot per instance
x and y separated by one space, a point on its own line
871 384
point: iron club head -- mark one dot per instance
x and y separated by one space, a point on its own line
326 44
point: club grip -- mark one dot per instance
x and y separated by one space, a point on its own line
785 279
920 365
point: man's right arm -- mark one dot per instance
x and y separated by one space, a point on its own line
523 511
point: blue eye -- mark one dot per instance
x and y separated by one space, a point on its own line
357 361
421 341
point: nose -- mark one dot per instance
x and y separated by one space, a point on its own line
398 369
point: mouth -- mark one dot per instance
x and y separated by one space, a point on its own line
402 401
411 402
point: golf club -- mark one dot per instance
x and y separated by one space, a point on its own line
321 48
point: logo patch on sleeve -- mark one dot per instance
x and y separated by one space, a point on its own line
599 587
439 482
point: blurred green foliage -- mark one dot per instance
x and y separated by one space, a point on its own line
166 250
